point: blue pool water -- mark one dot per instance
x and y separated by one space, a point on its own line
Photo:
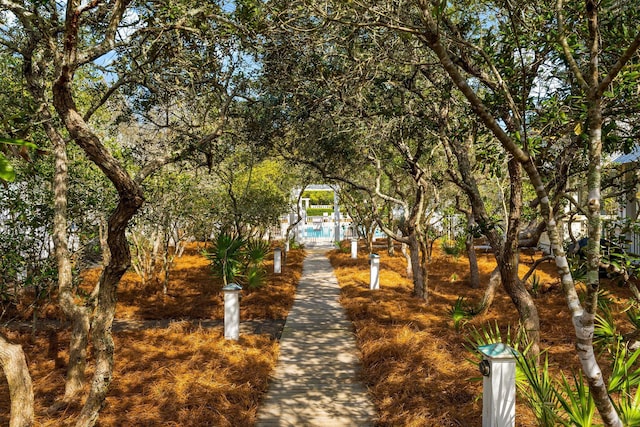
315 232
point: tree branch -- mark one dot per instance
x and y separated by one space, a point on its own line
617 67
562 39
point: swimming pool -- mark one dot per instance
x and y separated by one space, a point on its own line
315 232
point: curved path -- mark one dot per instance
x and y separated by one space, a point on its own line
316 378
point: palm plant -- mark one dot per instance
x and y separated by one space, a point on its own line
489 334
256 251
236 259
633 314
576 401
254 277
623 375
629 408
538 389
459 313
226 257
535 285
605 331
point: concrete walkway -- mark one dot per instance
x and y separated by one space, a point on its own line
315 382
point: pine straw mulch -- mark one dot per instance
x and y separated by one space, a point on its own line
416 364
181 375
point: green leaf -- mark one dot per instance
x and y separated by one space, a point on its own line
20 142
7 173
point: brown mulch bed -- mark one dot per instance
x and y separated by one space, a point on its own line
173 366
417 366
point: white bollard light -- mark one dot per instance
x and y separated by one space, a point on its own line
277 260
232 311
374 276
498 367
354 248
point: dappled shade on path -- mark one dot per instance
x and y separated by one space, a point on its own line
316 379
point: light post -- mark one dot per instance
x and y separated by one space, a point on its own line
374 274
277 260
354 248
498 368
232 311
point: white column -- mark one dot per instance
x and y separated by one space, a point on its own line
231 311
498 368
374 275
354 248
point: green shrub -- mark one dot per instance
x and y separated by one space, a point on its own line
256 251
535 285
319 211
293 244
454 247
633 314
319 197
344 246
255 277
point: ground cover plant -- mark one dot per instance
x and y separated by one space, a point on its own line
180 371
416 360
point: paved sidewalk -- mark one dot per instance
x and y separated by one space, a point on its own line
315 381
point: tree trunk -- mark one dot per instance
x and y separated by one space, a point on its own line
75 381
489 294
79 316
506 251
16 372
391 250
474 272
130 200
585 326
104 246
523 301
369 229
101 335
419 275
407 256
167 262
508 264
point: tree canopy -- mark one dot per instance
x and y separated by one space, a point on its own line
124 120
